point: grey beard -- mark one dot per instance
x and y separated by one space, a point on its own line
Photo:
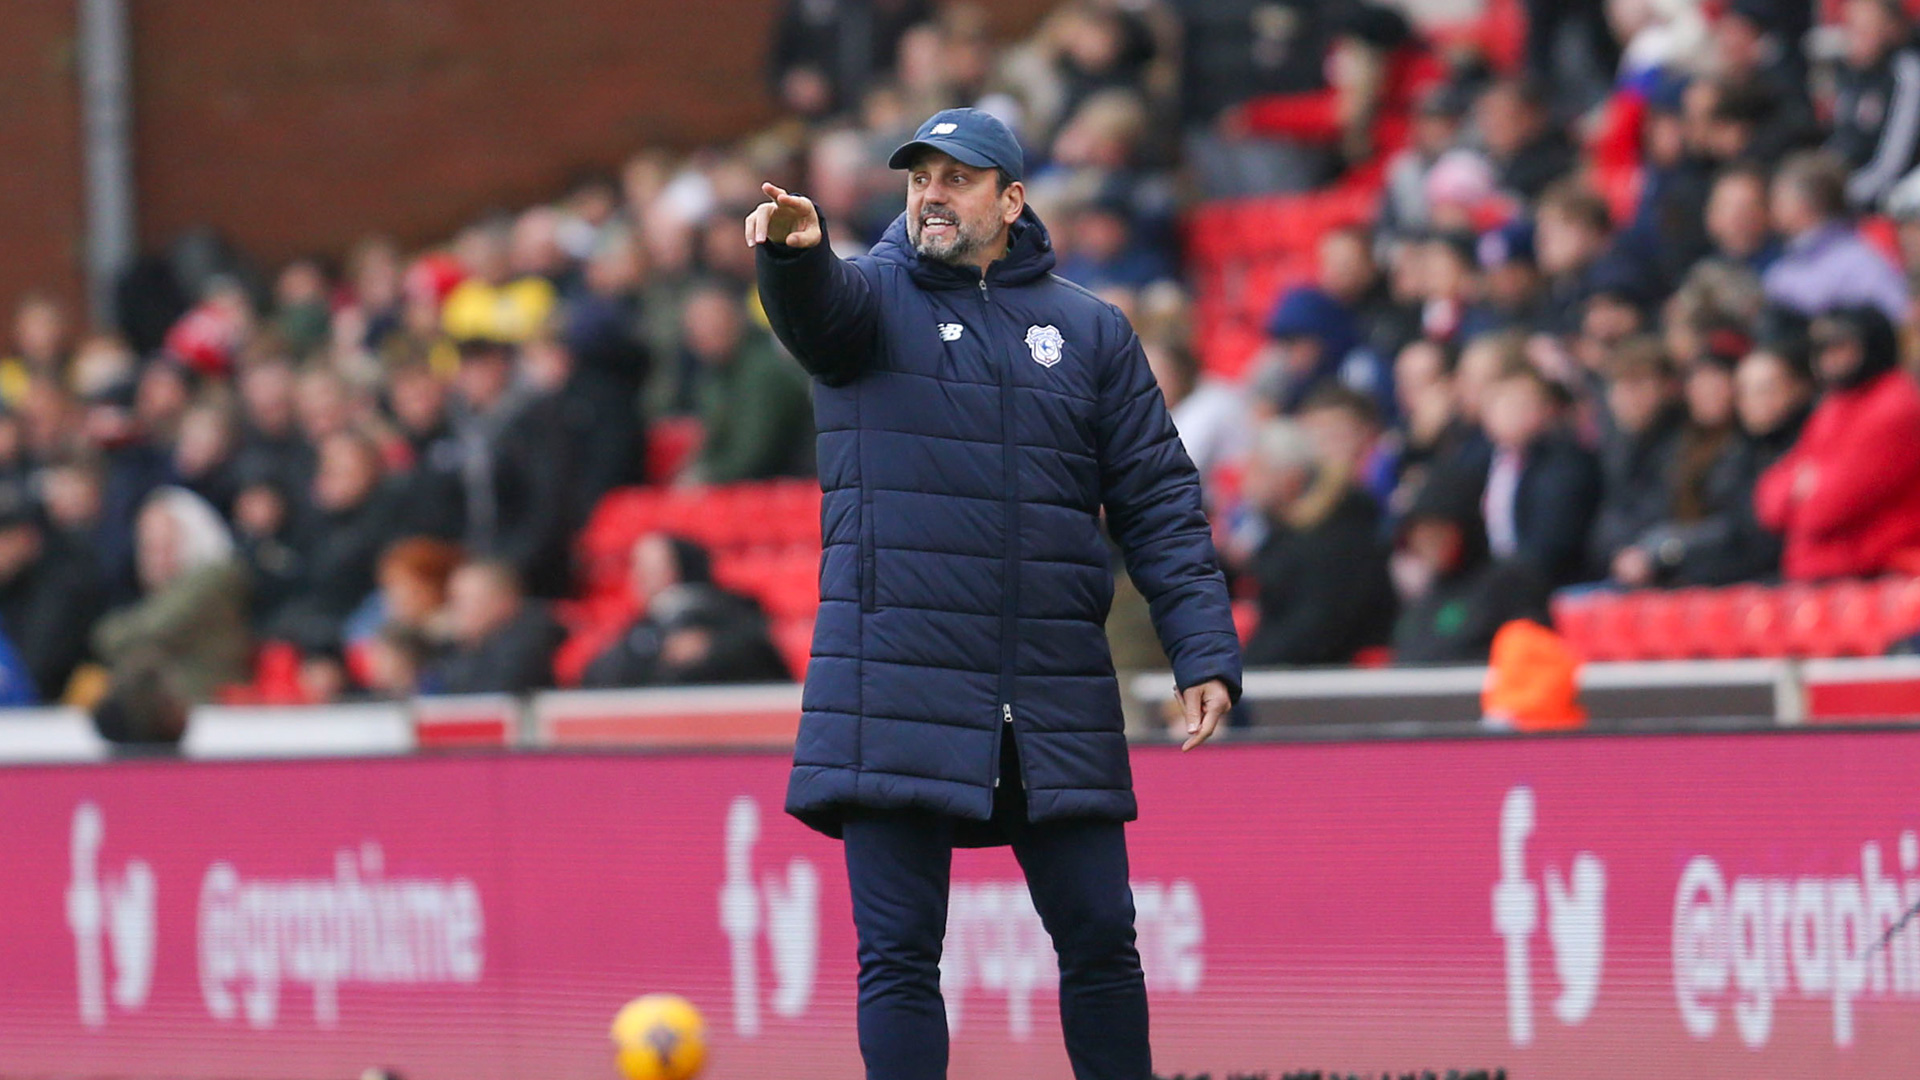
965 245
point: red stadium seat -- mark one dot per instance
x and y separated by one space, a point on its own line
1573 619
1713 618
794 638
1760 624
1899 607
1661 625
1615 628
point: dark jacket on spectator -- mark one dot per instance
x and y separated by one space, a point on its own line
848 42
1324 590
1876 124
516 659
1550 156
1727 544
965 581
1455 620
514 471
1636 486
340 551
1553 505
49 608
740 649
1238 49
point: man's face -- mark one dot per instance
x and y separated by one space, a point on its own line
1766 393
956 212
1737 215
1346 266
1870 32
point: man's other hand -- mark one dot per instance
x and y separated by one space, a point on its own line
783 219
1206 708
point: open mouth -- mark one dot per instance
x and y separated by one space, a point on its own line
936 223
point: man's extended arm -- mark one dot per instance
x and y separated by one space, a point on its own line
820 307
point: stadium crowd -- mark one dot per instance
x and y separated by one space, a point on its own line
1631 311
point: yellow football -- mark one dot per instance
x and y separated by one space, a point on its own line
659 1037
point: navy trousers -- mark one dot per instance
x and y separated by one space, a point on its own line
899 865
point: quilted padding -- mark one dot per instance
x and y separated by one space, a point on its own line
971 431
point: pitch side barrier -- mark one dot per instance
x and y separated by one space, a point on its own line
1342 704
1693 905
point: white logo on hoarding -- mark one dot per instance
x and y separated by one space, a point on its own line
788 910
1755 938
996 944
1576 922
357 926
951 331
1046 344
119 906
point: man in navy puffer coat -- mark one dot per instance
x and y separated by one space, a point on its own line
975 415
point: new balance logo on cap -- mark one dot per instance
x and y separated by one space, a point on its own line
951 331
944 129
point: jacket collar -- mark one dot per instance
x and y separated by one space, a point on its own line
1029 256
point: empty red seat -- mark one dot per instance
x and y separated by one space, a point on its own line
1660 632
1573 618
794 638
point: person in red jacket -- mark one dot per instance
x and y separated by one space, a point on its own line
1846 498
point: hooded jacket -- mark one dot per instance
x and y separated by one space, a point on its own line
971 429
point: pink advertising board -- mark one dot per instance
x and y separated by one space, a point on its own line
1675 906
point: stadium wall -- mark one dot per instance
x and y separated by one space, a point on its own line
1674 905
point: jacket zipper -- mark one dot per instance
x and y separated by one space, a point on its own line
1010 567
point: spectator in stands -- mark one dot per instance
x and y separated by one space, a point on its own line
1573 234
50 593
502 641
826 53
1311 336
301 314
431 489
1722 543
1345 430
1432 432
41 341
1825 264
412 592
267 534
1511 289
689 630
1454 595
1105 251
755 409
1529 150
1876 113
132 469
1639 451
1437 120
1668 229
354 519
187 636
512 450
1233 52
1376 67
1210 416
1541 485
1846 498
1348 273
1737 219
270 440
600 421
1324 592
493 302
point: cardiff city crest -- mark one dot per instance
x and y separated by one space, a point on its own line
1046 344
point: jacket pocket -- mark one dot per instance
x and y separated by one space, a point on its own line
867 561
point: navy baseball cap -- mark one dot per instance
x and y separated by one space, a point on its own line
970 136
